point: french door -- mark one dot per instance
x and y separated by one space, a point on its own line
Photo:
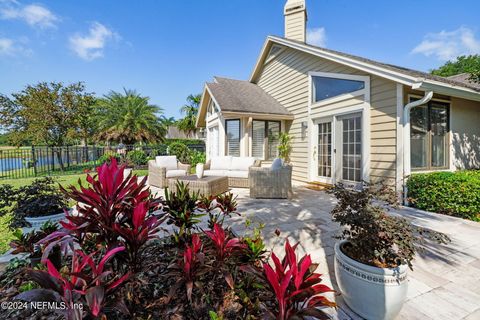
337 149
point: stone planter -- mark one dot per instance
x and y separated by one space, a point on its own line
373 293
37 222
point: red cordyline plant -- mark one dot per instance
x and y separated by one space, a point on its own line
86 281
296 286
218 207
189 267
113 211
224 248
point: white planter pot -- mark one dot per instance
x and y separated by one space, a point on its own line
373 293
199 170
37 222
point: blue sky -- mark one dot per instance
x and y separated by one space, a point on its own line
168 49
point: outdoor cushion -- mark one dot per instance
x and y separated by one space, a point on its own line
175 173
242 163
168 162
276 164
237 174
221 163
221 173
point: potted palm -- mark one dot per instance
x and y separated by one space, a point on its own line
375 250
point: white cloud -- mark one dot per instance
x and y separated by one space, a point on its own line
10 47
91 45
317 37
35 15
447 45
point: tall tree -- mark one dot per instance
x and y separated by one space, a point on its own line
188 122
128 118
463 64
46 113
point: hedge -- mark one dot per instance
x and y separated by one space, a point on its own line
451 193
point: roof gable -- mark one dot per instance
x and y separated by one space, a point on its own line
415 79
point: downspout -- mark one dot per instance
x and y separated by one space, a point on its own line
406 137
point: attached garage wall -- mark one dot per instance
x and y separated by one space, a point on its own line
286 79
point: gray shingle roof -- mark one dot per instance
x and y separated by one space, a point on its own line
464 78
243 96
406 71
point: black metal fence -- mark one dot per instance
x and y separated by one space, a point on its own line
35 161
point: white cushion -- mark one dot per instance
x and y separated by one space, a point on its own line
168 162
175 173
276 164
237 174
242 163
221 173
220 163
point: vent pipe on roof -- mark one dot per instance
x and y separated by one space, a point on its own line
295 13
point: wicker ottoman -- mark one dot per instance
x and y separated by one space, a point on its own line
212 185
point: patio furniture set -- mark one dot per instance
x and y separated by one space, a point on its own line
219 174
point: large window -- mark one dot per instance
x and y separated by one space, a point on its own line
325 87
265 139
429 127
233 137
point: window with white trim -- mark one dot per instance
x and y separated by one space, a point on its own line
212 108
265 139
429 127
232 128
328 87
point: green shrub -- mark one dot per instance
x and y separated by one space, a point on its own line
184 141
181 151
137 158
451 193
197 157
106 157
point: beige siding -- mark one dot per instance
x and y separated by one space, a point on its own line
295 26
286 79
383 129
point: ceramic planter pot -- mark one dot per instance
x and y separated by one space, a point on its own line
373 293
36 222
199 170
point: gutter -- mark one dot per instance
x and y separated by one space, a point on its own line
406 137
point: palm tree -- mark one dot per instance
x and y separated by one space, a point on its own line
128 118
188 123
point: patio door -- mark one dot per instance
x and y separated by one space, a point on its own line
349 149
337 149
213 142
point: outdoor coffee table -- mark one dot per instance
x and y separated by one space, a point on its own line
211 185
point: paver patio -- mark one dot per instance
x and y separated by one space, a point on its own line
445 283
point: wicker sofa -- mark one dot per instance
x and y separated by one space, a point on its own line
270 184
164 167
235 168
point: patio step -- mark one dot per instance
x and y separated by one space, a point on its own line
318 186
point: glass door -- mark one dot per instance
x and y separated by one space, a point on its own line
349 157
323 151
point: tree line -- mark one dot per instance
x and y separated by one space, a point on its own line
55 114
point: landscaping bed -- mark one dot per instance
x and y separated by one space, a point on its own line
115 265
451 193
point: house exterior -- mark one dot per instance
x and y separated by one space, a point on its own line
351 118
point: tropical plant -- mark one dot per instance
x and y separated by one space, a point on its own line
255 246
181 151
374 237
128 118
86 281
218 207
188 122
181 209
115 210
284 146
298 289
